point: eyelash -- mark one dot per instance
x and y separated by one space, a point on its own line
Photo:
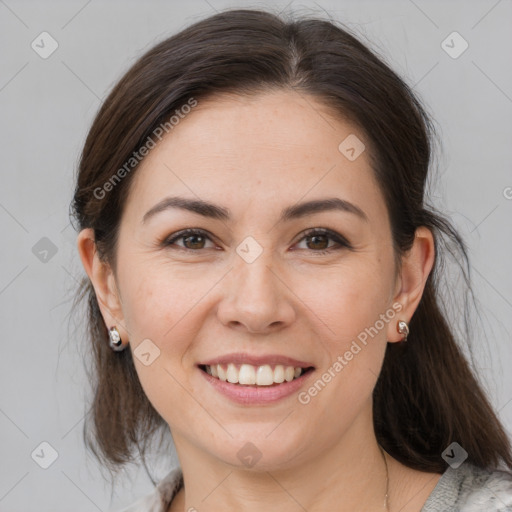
343 243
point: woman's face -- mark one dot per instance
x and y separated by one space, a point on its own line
255 287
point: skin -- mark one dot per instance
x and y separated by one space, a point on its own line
257 155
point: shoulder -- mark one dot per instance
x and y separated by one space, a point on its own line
160 498
471 489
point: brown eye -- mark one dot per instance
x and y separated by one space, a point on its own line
317 240
193 239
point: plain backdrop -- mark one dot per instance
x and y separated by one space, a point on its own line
47 106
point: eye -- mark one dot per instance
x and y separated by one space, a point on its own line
195 239
320 237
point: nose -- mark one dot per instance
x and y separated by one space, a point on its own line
256 298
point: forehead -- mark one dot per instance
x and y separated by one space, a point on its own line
256 151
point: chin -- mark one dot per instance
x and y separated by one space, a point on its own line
259 449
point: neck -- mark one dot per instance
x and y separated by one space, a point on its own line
348 476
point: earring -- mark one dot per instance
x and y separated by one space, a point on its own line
115 340
403 328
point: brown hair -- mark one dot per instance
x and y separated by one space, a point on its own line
426 396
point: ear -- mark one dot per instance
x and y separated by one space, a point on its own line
103 281
416 266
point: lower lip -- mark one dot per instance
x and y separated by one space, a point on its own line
254 395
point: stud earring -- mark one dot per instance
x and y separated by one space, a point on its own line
403 328
115 340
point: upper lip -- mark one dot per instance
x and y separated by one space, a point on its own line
260 360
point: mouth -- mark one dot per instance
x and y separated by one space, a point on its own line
248 375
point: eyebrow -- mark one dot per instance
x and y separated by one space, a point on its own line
295 211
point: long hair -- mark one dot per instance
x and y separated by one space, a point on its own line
427 396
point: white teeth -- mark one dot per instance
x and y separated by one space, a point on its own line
221 372
279 373
247 374
264 375
232 374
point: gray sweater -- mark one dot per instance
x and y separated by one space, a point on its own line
466 489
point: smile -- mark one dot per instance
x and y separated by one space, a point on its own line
250 375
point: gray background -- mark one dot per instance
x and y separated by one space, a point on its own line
47 106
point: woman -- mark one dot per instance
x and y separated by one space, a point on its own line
253 223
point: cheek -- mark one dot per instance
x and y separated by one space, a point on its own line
348 306
156 302
347 301
353 304
158 307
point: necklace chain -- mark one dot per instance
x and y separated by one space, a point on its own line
386 498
